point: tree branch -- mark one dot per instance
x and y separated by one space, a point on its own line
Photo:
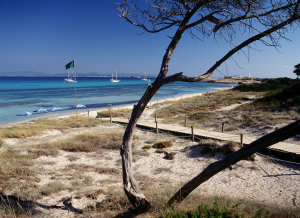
261 143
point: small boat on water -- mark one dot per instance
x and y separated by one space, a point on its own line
114 80
69 80
145 78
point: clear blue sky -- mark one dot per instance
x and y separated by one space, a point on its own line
43 36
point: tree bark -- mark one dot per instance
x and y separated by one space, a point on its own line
214 168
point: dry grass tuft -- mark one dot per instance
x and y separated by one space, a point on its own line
23 131
94 194
114 113
15 168
212 147
146 147
89 142
170 156
164 144
159 151
230 147
52 188
107 170
209 147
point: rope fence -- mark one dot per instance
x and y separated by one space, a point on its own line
189 131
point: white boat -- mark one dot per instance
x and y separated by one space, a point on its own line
69 80
114 80
145 78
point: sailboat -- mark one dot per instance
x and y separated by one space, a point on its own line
114 80
145 78
69 80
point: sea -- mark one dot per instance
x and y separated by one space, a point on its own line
20 94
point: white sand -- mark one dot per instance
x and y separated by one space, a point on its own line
262 180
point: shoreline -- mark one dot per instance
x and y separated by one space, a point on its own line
130 106
84 112
233 80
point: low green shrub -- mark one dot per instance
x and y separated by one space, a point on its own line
205 211
146 147
260 87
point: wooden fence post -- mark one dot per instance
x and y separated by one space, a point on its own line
155 117
192 128
185 122
242 140
110 117
88 113
276 128
156 127
222 126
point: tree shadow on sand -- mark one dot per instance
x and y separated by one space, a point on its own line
11 205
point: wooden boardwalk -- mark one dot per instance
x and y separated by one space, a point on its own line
281 146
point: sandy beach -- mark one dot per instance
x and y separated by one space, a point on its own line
263 180
93 113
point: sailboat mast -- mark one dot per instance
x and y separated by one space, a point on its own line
116 75
75 85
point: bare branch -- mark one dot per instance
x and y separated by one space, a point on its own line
261 143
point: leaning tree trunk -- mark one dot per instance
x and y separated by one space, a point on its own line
214 168
136 198
134 195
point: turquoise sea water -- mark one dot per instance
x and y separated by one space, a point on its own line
19 94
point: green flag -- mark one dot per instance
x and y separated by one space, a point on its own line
70 65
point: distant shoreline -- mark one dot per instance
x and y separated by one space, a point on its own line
232 80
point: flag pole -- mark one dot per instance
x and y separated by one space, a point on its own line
75 86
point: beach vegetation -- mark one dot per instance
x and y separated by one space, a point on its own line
163 144
25 187
170 156
147 147
115 113
88 142
116 204
212 147
261 109
160 151
35 128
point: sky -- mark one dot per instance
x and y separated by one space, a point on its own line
43 36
